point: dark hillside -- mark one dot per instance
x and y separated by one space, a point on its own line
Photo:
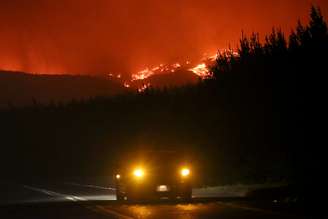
20 89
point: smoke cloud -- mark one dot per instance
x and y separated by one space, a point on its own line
104 36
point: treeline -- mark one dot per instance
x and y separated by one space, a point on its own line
284 76
246 124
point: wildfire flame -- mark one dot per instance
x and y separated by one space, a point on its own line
144 87
201 70
176 65
146 73
126 84
141 75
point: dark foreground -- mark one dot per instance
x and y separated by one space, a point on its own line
67 200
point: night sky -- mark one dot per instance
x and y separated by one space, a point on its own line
102 36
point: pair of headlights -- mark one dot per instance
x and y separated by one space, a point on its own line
139 173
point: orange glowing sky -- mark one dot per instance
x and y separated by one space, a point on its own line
102 36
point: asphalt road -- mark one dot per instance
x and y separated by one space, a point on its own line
73 200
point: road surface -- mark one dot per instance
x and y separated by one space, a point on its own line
74 200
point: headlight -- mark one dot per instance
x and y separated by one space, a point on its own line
185 172
139 173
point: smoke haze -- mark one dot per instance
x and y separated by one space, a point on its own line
103 36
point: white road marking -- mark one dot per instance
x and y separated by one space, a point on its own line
91 186
97 209
55 194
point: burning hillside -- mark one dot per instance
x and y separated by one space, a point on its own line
166 75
